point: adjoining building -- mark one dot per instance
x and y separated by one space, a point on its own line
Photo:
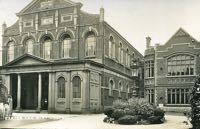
171 69
59 58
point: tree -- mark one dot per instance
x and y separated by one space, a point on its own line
195 104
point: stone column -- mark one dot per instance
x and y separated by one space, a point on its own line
50 95
39 91
7 82
19 92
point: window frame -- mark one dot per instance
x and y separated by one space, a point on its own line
12 54
45 41
180 61
76 93
27 46
61 88
88 45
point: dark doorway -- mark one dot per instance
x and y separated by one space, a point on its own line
29 91
45 91
13 89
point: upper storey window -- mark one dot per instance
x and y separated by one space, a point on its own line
180 65
66 46
111 47
120 53
149 68
90 44
11 49
29 46
47 48
46 4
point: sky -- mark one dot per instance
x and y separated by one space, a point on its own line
133 19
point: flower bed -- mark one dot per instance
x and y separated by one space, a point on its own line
134 111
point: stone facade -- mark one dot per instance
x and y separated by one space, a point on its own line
75 61
173 69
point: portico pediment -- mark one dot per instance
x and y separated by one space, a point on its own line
27 60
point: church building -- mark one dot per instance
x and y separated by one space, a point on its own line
59 58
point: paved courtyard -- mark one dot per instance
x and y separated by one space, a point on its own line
52 121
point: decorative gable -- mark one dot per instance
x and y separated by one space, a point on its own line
27 60
39 5
181 32
181 37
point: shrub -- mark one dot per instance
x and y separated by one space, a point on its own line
141 107
128 120
118 104
118 113
159 112
155 119
108 111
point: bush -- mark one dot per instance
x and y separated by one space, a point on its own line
141 107
128 120
159 112
155 119
118 113
108 111
118 104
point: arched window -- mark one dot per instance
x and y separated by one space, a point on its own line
180 65
29 46
11 51
47 48
111 84
120 86
90 43
76 82
111 47
127 88
66 46
127 57
61 87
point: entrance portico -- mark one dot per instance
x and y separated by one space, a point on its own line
32 91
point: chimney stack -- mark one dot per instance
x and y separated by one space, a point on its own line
4 26
102 14
148 42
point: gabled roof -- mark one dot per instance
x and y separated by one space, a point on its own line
27 59
34 3
181 32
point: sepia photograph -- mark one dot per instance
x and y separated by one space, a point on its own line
99 64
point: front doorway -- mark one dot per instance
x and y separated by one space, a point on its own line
29 91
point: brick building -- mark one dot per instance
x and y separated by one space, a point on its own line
59 58
170 70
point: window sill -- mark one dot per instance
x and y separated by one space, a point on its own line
181 76
89 57
177 105
150 78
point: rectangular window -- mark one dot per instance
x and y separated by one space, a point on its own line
149 66
178 96
150 95
28 23
47 20
180 65
66 18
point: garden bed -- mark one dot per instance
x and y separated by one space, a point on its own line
134 111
